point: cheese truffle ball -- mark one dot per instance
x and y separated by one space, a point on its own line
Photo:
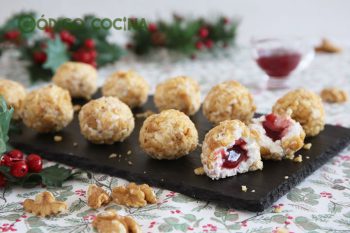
228 101
47 109
278 136
106 120
14 94
80 79
168 135
228 149
128 86
306 107
181 93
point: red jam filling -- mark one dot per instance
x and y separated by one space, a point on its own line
234 155
275 126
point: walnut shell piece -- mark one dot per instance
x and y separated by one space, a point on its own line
44 205
181 93
111 222
134 195
14 94
97 196
334 95
168 135
229 101
307 109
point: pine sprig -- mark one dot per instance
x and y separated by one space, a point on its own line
5 119
184 35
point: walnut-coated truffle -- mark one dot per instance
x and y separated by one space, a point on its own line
14 94
306 107
229 101
334 95
168 135
181 93
128 86
106 120
228 149
47 109
80 79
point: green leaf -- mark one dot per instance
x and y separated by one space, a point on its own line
171 220
235 226
182 199
56 54
55 175
35 230
279 218
190 217
181 227
306 224
231 217
11 217
5 119
165 227
35 222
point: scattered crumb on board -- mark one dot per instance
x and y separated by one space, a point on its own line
199 171
298 159
307 146
113 155
144 114
244 188
57 138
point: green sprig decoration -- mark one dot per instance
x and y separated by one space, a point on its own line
184 35
5 120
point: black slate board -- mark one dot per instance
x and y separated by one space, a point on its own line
269 184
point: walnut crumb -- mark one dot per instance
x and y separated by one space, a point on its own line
144 114
298 159
111 222
286 177
44 205
290 156
75 144
334 95
113 155
253 191
199 171
129 152
134 195
244 188
58 138
307 157
76 108
130 163
307 146
97 196
327 47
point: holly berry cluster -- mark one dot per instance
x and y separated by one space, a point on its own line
20 164
59 44
184 35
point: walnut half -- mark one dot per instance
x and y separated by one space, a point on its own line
44 205
97 196
111 222
134 195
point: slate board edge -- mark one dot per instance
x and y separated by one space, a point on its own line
230 202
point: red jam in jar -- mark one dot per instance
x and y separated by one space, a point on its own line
278 63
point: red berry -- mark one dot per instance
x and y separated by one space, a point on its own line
203 32
39 57
16 154
49 31
93 54
35 163
67 38
225 20
6 160
12 35
19 169
89 43
85 57
94 64
199 45
2 181
152 27
209 44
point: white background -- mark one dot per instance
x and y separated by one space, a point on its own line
306 18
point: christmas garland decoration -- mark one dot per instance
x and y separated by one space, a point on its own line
184 35
58 45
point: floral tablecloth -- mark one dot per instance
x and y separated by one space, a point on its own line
319 204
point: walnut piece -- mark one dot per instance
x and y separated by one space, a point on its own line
199 171
44 205
111 222
334 95
97 196
134 195
327 47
